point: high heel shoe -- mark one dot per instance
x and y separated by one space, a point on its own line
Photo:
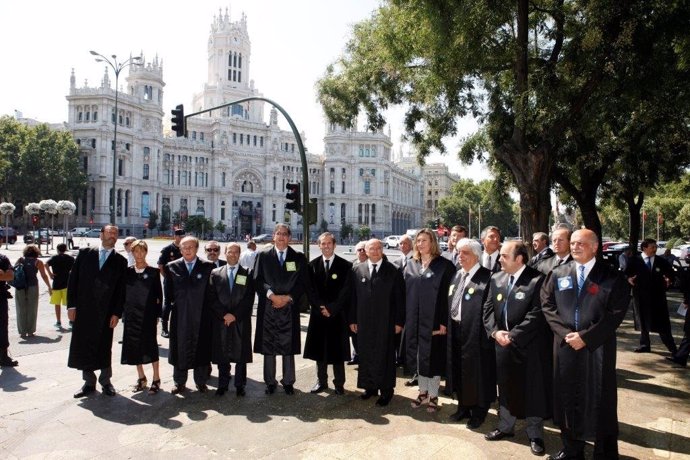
155 387
141 384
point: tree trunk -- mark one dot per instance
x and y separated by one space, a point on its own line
635 218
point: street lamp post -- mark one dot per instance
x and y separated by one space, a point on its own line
117 68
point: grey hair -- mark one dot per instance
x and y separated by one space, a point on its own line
474 246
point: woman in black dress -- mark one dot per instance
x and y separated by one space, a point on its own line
143 301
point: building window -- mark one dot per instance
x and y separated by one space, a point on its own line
332 186
79 116
93 143
342 189
145 204
234 138
261 141
359 213
373 214
275 180
120 167
95 115
367 187
146 171
254 140
222 179
343 208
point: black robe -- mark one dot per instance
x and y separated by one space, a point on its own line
327 338
377 306
97 294
584 386
143 306
231 343
471 369
523 368
426 311
650 292
190 320
278 329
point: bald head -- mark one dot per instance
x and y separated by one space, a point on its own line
583 245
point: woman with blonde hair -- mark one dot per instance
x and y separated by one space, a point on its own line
143 307
427 280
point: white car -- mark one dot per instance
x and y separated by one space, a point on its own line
681 251
391 242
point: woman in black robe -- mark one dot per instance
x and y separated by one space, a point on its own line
427 280
143 301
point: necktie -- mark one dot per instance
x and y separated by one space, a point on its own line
281 258
487 261
455 259
328 264
511 281
581 279
101 258
373 271
649 263
190 267
560 261
457 297
231 278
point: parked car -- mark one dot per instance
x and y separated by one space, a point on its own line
79 231
392 241
682 251
263 238
11 235
37 237
92 233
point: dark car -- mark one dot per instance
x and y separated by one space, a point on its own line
37 237
11 235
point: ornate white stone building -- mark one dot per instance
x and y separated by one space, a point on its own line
234 165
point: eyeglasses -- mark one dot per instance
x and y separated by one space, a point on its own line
212 249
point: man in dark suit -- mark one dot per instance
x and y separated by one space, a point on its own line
471 359
513 318
95 299
281 278
650 276
190 321
457 233
377 313
327 334
560 240
405 246
542 251
230 296
584 302
491 240
212 250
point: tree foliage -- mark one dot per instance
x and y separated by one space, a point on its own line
37 162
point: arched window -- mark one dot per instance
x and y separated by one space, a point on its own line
145 204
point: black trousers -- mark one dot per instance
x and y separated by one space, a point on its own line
338 373
224 375
4 322
665 337
167 309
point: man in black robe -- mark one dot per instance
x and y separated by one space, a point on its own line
377 313
95 299
190 322
169 253
230 296
327 334
584 303
560 241
281 278
513 318
542 251
471 365
650 276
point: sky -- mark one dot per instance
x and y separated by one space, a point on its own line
292 43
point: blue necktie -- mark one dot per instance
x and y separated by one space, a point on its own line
511 280
581 279
281 258
649 263
190 267
101 258
231 278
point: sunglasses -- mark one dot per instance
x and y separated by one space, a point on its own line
360 250
213 250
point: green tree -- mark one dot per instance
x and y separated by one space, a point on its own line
198 225
165 220
363 232
324 226
220 226
467 199
37 162
153 220
346 231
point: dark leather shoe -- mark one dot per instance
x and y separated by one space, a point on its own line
289 389
270 389
413 382
475 422
460 414
109 390
368 394
642 350
178 390
318 388
165 334
202 388
240 391
536 446
8 362
677 361
221 391
562 456
383 401
497 435
84 391
339 390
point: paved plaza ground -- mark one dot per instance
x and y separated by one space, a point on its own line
40 419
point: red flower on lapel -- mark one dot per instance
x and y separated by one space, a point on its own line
593 289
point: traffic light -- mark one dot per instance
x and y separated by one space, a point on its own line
34 219
178 124
438 222
294 198
313 209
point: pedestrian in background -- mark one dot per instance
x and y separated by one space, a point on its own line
142 307
6 274
58 268
26 299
